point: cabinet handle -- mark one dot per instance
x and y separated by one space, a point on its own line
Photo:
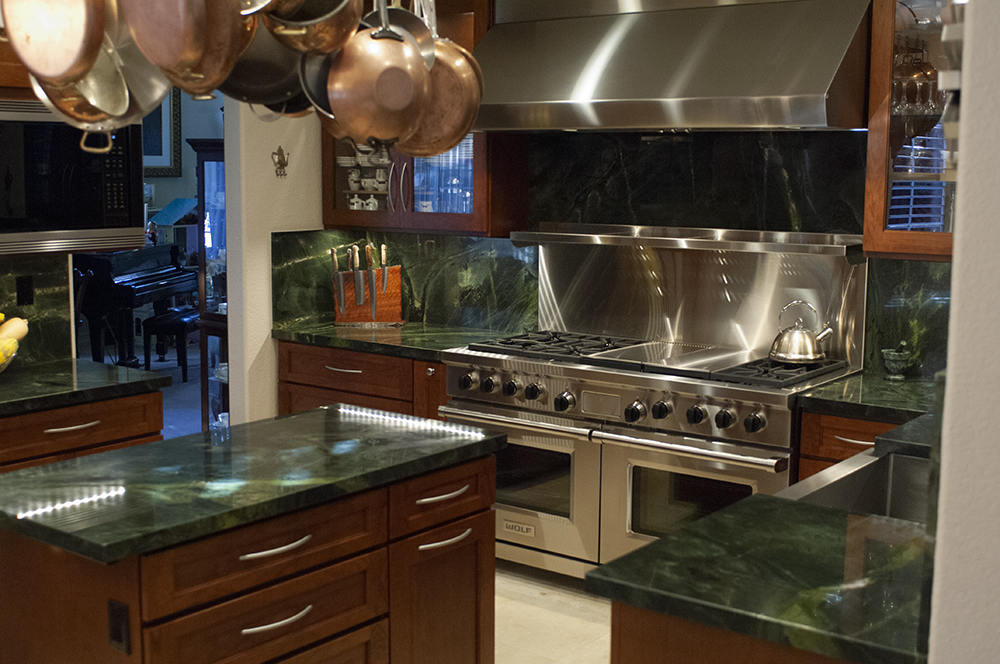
357 371
856 442
275 625
275 552
392 206
402 181
74 428
438 545
447 496
431 371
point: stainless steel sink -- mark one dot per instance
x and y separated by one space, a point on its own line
893 485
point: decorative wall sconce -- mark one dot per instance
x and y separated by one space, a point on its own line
280 160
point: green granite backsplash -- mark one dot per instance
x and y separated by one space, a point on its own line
44 304
447 280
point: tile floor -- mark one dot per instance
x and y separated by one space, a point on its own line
546 618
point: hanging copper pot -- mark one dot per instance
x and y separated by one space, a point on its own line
172 34
315 26
57 42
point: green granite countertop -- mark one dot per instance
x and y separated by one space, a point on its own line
869 396
915 438
415 341
27 388
143 498
774 569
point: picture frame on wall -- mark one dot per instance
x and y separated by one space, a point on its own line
161 139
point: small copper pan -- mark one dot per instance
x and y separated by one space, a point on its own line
315 26
172 34
57 42
228 34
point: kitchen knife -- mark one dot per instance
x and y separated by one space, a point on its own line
369 254
338 280
385 271
359 281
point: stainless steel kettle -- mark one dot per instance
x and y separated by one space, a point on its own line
798 344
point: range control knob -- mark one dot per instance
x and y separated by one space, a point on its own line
533 391
509 388
487 385
635 411
466 382
724 419
564 401
754 422
660 410
696 415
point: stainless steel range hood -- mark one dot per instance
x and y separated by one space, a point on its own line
675 64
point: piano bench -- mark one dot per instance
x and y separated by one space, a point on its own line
176 323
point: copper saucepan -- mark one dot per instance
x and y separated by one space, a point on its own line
57 41
456 92
315 26
172 34
378 84
266 73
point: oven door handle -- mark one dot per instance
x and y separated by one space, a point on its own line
774 464
505 421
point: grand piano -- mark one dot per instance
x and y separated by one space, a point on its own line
110 286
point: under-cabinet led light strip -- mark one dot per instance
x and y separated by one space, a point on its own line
119 491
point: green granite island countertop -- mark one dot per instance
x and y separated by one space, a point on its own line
28 388
415 341
869 396
121 503
813 578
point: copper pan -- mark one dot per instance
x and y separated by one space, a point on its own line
99 95
456 91
228 34
378 85
171 34
266 73
314 26
56 40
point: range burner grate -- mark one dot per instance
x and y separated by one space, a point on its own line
771 373
554 345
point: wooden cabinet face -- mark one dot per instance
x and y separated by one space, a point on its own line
827 439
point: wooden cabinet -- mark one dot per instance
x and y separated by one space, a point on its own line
422 591
827 439
313 376
497 178
63 433
14 83
887 132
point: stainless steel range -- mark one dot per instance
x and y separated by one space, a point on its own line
648 399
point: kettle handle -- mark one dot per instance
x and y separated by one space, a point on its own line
794 303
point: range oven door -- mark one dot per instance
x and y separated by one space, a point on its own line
547 480
654 484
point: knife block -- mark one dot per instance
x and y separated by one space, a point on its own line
388 305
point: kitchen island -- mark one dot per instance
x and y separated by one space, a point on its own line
298 535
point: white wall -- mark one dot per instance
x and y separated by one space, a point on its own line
257 204
966 596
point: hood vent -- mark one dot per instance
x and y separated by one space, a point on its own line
675 64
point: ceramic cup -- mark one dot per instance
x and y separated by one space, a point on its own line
425 206
368 184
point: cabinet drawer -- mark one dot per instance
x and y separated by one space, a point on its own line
809 467
294 398
54 431
838 438
250 556
278 619
432 499
332 368
366 645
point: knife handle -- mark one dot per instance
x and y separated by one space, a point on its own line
368 256
357 258
333 255
383 254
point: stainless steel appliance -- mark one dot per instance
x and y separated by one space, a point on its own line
660 404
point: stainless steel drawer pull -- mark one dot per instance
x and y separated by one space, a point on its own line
275 625
438 545
277 551
856 442
344 370
78 427
447 496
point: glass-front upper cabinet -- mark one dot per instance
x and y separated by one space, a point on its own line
913 128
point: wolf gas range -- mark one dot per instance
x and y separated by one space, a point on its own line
616 439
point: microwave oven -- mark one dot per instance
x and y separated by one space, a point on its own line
56 197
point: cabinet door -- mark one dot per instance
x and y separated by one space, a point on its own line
912 145
13 75
441 594
429 389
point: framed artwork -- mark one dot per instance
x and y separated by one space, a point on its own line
161 139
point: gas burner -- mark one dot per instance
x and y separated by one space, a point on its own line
771 373
550 345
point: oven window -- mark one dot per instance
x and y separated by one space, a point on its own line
534 479
662 500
